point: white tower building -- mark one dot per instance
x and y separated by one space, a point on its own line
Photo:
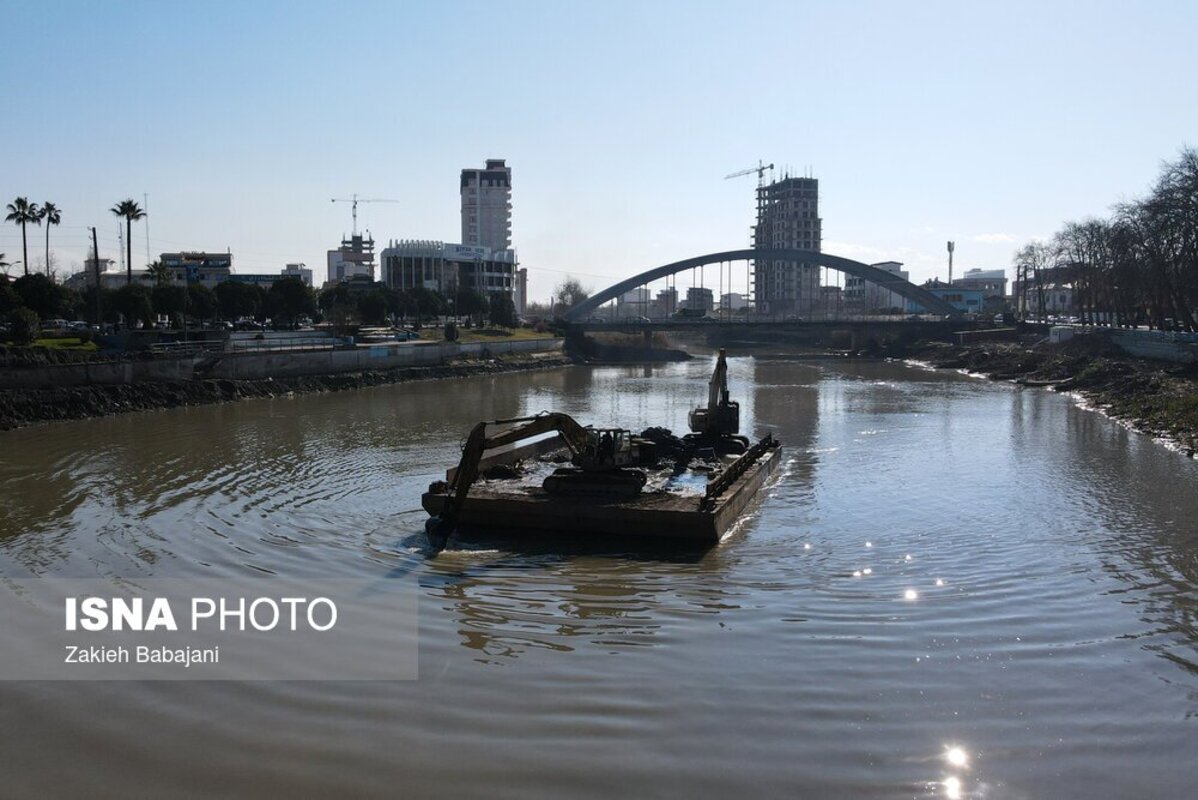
487 206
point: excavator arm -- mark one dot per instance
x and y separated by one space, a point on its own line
721 416
478 443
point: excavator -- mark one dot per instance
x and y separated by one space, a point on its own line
603 459
717 424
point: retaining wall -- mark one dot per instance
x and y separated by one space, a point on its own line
1161 345
251 366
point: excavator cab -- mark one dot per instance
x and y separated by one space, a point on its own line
608 448
717 424
603 460
602 465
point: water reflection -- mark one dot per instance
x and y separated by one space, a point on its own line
583 591
1141 528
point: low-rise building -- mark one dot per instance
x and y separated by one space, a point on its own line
665 304
205 269
971 301
110 278
634 303
520 295
733 301
862 296
444 267
267 279
1046 298
992 282
298 270
831 300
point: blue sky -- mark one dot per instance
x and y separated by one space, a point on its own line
988 124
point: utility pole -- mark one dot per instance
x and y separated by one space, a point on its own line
145 206
96 270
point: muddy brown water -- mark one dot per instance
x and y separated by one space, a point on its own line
955 588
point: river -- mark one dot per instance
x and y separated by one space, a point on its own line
955 588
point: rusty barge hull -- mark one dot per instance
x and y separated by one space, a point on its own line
658 515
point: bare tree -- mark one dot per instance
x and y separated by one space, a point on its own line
1033 262
1139 266
569 293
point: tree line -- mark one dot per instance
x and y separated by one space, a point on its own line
24 213
1139 266
30 299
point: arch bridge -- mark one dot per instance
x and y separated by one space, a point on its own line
883 279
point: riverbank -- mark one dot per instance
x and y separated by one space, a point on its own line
24 406
1152 397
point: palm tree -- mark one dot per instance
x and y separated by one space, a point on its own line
22 212
52 215
130 211
161 273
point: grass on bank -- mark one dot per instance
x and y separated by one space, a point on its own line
67 343
484 334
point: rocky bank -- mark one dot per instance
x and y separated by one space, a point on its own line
23 406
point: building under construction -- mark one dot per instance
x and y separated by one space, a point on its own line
787 218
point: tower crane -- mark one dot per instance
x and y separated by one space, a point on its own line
759 169
355 200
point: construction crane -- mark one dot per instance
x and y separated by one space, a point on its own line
355 200
759 169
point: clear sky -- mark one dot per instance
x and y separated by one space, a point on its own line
986 123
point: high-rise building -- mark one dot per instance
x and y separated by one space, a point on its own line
787 218
487 206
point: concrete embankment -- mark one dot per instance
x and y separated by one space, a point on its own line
74 391
1158 398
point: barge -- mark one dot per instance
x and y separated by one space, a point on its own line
606 481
